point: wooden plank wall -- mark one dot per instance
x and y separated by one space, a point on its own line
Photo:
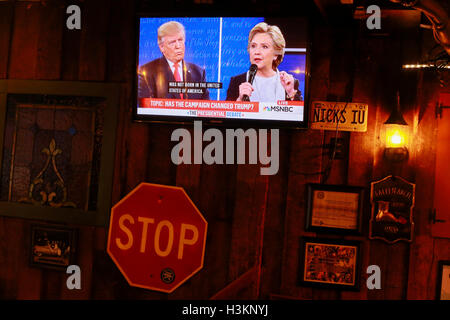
255 222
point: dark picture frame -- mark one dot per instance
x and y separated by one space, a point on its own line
62 95
330 263
443 280
334 208
52 247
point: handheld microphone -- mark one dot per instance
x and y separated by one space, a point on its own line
251 76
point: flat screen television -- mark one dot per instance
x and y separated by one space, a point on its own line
215 56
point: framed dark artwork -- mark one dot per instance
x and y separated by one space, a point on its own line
334 208
52 247
443 280
392 199
57 142
330 263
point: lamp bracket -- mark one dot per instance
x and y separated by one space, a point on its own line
432 217
396 154
439 108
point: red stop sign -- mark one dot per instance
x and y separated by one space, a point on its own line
157 237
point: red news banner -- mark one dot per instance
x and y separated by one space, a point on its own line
211 108
215 108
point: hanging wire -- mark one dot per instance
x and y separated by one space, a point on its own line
326 172
440 62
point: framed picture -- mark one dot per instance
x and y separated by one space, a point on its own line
443 280
392 200
334 208
57 140
330 263
52 247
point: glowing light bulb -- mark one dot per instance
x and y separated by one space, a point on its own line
396 138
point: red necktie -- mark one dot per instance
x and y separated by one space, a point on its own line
177 76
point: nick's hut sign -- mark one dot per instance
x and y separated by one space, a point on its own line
341 116
392 200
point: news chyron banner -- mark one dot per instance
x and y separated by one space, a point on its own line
279 110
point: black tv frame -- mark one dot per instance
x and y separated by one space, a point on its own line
222 122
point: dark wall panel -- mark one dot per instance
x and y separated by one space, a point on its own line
254 222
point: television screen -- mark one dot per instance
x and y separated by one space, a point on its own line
227 69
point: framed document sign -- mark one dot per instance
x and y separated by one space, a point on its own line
334 208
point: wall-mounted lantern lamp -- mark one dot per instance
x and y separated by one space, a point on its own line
396 135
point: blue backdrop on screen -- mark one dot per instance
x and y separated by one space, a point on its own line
294 63
221 58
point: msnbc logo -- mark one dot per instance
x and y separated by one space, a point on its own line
279 108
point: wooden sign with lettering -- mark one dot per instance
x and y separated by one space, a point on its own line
392 200
341 116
